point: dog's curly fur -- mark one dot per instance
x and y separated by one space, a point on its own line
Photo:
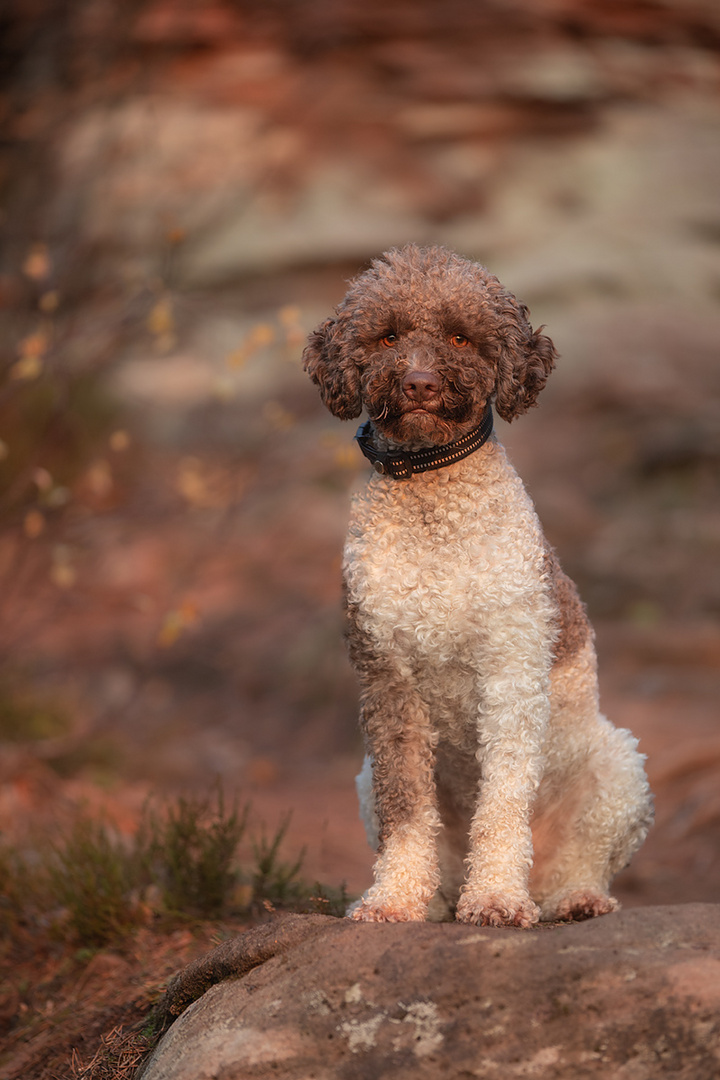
492 786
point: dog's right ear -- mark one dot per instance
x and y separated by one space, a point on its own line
333 371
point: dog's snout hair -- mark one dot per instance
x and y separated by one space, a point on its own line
493 788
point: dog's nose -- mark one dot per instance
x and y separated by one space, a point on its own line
420 385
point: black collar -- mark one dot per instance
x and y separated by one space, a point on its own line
401 464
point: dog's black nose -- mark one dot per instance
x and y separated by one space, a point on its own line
420 385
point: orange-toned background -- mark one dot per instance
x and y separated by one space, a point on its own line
186 189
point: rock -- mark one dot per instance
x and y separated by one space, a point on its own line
634 995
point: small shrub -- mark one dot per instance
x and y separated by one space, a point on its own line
95 877
274 882
191 854
17 891
182 861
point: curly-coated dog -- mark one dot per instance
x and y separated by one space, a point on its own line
492 785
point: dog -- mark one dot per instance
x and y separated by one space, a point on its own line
493 789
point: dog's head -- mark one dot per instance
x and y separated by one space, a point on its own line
422 340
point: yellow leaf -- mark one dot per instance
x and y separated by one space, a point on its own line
160 321
33 345
34 524
175 622
27 368
170 630
190 482
62 572
262 334
289 316
236 358
48 302
119 441
63 575
37 263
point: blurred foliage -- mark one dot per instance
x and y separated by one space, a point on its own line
274 881
96 757
190 853
54 413
24 890
182 862
56 419
26 718
96 877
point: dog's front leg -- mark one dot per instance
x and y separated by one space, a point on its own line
401 747
514 714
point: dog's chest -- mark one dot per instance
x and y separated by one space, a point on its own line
427 564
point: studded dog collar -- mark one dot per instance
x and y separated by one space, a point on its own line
402 464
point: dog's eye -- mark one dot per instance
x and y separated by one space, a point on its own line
389 340
459 341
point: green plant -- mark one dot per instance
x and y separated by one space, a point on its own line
274 881
96 878
181 861
17 890
191 854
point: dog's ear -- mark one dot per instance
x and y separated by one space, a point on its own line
526 359
333 371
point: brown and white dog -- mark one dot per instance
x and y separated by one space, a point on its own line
492 787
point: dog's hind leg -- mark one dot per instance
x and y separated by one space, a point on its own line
593 812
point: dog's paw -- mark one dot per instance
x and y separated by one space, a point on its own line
582 904
497 910
376 910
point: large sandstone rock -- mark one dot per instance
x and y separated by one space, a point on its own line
632 996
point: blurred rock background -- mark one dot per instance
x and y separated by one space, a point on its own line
186 188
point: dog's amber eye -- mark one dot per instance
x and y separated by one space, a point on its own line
389 340
459 341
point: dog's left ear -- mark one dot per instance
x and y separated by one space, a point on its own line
333 371
526 359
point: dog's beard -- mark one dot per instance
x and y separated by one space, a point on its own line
415 428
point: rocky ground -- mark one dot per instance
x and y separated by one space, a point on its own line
187 189
633 997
